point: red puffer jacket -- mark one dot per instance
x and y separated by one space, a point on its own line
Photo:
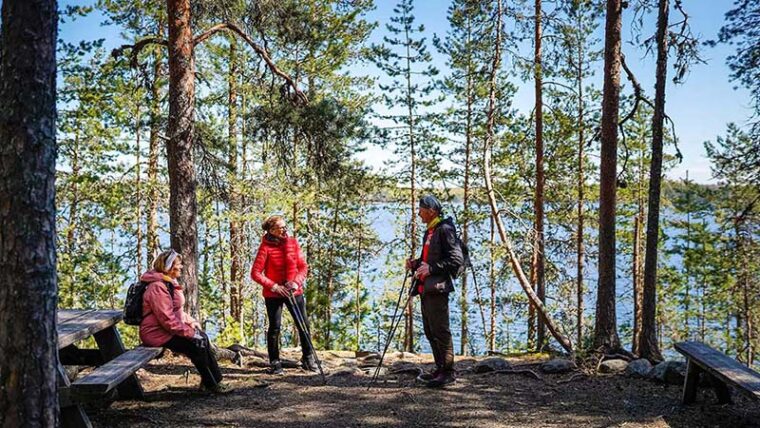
278 262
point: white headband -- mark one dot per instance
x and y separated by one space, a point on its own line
170 260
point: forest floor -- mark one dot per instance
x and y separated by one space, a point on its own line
299 399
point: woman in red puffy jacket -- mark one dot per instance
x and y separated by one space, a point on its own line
280 268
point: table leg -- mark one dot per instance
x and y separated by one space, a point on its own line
690 382
110 345
72 415
721 390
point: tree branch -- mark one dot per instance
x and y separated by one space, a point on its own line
258 49
262 52
137 47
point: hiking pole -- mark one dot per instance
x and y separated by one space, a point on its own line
301 322
394 325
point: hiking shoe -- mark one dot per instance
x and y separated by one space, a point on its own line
443 379
276 368
427 377
219 388
222 388
309 363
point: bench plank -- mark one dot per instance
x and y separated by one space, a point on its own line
78 328
111 374
722 367
66 315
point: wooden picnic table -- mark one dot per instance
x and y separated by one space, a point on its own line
114 377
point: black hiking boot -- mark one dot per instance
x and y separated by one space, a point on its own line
444 378
427 377
308 363
276 368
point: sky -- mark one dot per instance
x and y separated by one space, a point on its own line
701 107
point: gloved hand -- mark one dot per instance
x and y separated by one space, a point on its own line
199 339
280 289
423 270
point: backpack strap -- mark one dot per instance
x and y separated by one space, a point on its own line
170 287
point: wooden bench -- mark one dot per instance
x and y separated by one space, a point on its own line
722 370
106 377
115 376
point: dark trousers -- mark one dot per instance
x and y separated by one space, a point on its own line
274 314
435 321
200 353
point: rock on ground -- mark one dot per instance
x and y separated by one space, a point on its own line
670 372
613 366
491 364
558 365
639 368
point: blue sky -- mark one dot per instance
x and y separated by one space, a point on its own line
701 107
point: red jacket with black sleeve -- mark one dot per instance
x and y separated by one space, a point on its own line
277 262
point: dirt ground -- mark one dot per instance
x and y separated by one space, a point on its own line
299 399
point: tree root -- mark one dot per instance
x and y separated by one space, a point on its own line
527 372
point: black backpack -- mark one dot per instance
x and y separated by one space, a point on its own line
133 303
465 258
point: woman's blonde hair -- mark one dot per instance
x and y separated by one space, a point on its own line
160 263
270 222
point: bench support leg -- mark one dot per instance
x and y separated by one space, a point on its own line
690 382
721 390
72 416
110 345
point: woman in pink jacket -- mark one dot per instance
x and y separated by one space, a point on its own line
166 325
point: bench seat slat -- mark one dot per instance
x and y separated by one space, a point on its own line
722 366
111 374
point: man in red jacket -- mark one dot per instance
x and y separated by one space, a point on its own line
434 273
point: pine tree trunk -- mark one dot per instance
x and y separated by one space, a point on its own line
605 329
686 263
638 286
358 289
138 198
463 304
72 224
183 206
409 331
236 268
155 126
539 256
514 261
649 346
28 338
492 286
703 292
581 190
637 269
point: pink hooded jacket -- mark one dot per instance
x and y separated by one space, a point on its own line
163 316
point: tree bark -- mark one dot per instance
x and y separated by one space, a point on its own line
138 196
605 329
155 126
236 238
465 308
183 206
580 251
514 261
409 320
649 348
492 285
28 337
637 271
538 202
